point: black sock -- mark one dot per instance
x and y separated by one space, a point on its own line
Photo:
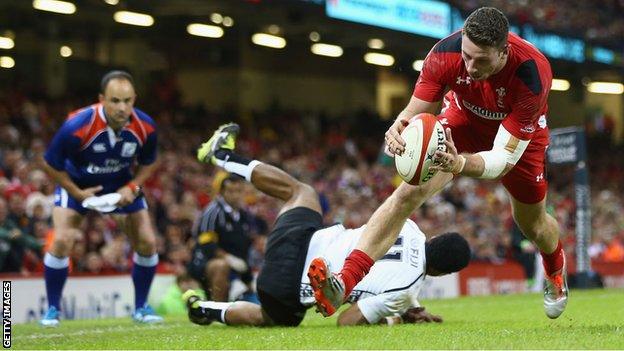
231 156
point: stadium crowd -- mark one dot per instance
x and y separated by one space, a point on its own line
340 157
601 20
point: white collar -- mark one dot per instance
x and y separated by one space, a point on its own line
228 209
112 136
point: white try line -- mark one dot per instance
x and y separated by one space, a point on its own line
93 331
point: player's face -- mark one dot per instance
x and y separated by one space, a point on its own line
118 100
232 193
482 61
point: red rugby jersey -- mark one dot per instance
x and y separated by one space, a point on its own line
516 96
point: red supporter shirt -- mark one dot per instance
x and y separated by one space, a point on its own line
516 96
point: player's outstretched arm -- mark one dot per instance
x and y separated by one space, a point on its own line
353 316
63 179
419 315
386 222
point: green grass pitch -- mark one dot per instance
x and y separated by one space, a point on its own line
594 319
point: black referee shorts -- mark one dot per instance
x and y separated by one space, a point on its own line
280 279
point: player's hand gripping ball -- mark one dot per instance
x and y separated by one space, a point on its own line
423 136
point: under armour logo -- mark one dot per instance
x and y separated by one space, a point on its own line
444 121
461 80
528 129
540 177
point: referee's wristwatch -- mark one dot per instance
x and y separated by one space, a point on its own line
136 189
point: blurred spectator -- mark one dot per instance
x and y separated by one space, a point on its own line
601 21
614 252
223 235
14 242
172 303
177 259
336 154
94 263
116 254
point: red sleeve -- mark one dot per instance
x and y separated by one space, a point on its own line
430 85
529 102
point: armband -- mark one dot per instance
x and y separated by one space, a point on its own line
506 149
494 163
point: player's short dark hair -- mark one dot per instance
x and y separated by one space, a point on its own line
487 26
117 74
231 178
447 253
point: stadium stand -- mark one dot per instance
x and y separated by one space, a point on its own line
345 166
601 20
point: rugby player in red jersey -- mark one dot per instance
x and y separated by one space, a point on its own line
495 118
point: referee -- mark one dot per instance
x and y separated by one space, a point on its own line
222 235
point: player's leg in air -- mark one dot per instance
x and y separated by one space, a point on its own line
300 214
528 203
138 227
56 261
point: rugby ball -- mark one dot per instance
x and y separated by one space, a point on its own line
423 136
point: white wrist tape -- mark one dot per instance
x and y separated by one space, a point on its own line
462 164
506 149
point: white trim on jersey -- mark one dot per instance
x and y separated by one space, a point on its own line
112 136
90 141
100 110
64 198
134 114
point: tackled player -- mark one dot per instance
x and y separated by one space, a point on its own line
387 295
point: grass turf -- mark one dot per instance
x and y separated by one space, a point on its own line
594 319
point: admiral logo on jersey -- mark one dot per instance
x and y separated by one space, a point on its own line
483 113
